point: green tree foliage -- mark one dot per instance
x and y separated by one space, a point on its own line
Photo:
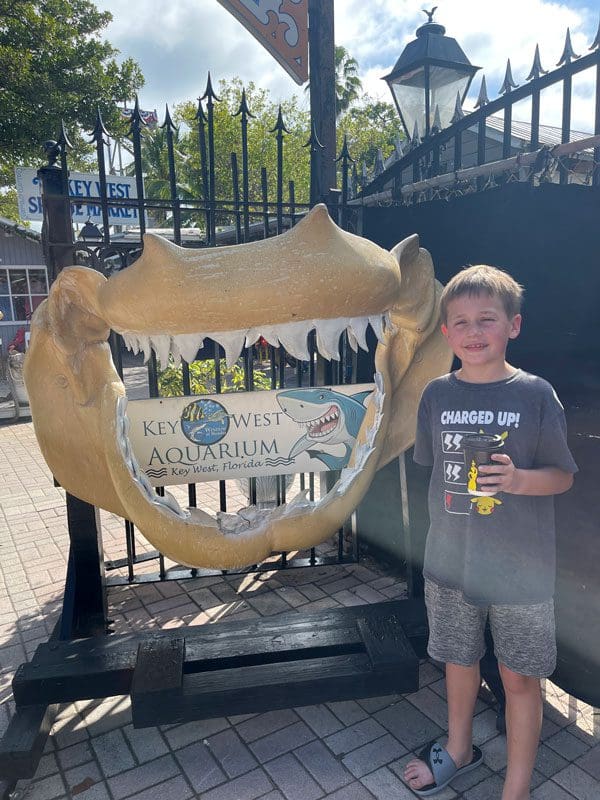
370 126
348 85
203 376
262 146
155 166
54 66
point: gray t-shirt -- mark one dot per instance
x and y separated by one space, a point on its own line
497 549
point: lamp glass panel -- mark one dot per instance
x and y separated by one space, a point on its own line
409 91
444 83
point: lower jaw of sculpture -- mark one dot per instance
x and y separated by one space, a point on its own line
195 538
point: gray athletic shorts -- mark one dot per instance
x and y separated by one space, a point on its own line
524 636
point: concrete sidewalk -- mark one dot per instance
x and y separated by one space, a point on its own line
340 751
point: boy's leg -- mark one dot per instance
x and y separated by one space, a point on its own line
523 726
525 644
462 685
491 675
456 639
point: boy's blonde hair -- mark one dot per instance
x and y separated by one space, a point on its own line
482 279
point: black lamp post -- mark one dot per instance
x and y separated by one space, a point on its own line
90 232
427 77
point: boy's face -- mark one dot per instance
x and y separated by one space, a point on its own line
478 330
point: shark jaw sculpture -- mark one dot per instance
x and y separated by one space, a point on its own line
314 277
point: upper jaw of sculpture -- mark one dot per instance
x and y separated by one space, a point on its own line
313 277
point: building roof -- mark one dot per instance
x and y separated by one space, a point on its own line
10 226
549 135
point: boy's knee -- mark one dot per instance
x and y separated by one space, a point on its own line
514 683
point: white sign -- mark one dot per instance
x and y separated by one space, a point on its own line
86 186
246 434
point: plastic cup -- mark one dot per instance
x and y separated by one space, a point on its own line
479 449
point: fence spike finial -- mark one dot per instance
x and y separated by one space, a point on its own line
398 147
482 99
136 121
458 110
209 92
596 42
99 134
416 139
345 151
509 83
568 52
168 123
200 115
279 126
244 109
379 163
437 122
537 70
63 139
314 142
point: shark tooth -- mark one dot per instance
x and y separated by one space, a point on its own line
131 341
328 337
252 336
358 326
144 482
270 333
128 340
294 337
170 502
144 345
175 354
232 342
388 325
377 325
161 345
188 345
231 523
352 339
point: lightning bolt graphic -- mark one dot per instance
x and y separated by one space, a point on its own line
452 472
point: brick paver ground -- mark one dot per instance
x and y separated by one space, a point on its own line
341 751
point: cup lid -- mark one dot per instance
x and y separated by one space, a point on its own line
482 441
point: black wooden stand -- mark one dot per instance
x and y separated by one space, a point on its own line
220 670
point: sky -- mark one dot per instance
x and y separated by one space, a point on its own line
177 42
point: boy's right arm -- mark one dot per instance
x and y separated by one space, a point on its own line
423 452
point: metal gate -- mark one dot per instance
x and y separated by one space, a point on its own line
202 222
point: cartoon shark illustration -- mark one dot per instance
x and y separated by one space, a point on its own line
331 418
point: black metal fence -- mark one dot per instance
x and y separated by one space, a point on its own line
236 219
414 177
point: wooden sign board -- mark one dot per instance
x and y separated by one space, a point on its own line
246 434
279 25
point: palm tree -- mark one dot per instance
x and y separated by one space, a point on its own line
347 83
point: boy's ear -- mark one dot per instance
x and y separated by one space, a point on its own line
444 329
515 326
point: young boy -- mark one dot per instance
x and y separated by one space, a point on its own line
491 555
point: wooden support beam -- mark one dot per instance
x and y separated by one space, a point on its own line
23 743
265 650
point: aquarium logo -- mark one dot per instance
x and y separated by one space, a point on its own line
204 422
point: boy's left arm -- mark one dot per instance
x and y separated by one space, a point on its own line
503 476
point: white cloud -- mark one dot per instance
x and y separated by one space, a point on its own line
375 34
176 43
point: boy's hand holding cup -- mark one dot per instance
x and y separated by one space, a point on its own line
479 449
